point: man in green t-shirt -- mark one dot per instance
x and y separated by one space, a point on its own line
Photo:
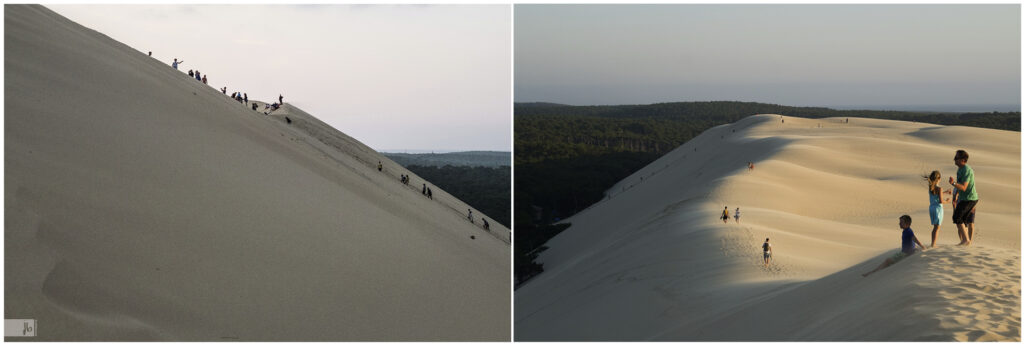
967 197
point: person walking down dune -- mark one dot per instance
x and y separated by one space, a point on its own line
487 226
176 63
380 167
424 189
935 203
907 247
767 248
967 197
470 215
737 215
430 194
725 215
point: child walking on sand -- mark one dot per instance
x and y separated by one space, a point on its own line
935 203
767 247
906 249
737 215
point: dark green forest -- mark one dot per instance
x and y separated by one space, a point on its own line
566 156
488 189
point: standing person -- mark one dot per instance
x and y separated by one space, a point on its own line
424 189
176 62
487 226
430 194
737 215
198 77
767 248
470 215
150 53
380 167
280 99
907 247
970 216
935 203
967 197
224 90
204 79
725 215
246 98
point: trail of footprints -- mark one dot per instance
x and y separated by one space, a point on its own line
978 292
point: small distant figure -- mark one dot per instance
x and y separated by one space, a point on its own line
280 99
725 215
430 194
190 74
470 215
176 62
380 167
750 166
907 248
199 77
424 189
767 247
150 53
847 121
204 79
737 215
224 90
246 97
487 226
254 106
289 120
967 196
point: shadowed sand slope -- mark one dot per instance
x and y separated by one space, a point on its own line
142 204
652 261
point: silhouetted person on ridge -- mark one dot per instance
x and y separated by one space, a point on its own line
176 62
190 74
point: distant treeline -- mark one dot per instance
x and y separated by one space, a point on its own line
473 158
488 189
566 156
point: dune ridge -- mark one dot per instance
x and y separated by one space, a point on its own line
652 261
143 205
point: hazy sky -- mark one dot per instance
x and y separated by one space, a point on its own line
410 77
801 55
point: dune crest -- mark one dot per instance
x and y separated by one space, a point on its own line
144 205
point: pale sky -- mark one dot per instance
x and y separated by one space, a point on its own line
800 55
396 77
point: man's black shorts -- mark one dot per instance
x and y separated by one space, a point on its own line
963 208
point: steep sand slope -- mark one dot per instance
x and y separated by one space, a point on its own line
144 205
652 261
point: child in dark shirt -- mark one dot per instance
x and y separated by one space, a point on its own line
906 249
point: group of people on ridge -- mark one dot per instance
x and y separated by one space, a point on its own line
965 201
237 96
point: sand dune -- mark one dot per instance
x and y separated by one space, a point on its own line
652 262
144 205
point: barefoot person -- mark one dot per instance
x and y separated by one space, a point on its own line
967 197
907 248
935 203
767 247
737 215
725 215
